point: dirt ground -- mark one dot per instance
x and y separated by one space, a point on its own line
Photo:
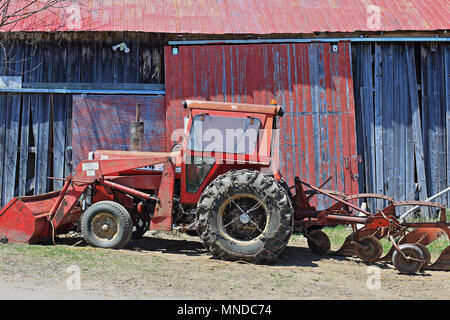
176 266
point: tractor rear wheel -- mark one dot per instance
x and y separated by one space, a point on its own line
106 224
245 215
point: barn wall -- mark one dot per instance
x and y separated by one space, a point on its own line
313 83
35 129
402 121
403 118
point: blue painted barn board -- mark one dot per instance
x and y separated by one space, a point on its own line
388 117
378 125
434 123
447 110
414 122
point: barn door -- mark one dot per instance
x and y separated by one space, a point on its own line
103 123
313 82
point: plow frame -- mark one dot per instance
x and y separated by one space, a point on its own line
384 223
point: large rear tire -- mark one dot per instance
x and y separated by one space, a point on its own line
245 215
106 224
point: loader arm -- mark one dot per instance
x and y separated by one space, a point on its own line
90 171
36 218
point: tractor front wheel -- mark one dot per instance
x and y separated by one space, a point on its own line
245 215
106 224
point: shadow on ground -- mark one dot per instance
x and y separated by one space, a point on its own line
192 246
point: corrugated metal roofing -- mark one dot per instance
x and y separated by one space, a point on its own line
242 16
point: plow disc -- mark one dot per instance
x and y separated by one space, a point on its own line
443 262
409 239
424 236
347 249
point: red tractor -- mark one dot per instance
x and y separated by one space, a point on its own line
221 181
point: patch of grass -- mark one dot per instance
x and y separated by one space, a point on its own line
438 246
281 279
59 254
337 234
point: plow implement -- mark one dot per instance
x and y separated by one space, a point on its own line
408 253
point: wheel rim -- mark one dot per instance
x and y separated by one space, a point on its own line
243 217
405 265
105 226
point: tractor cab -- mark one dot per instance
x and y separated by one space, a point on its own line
220 137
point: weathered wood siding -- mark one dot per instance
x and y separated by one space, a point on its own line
103 123
35 129
313 83
402 105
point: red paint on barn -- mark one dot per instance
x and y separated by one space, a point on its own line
312 83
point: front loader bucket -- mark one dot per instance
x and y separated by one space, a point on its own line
25 219
443 262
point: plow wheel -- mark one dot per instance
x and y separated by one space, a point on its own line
426 255
245 215
318 242
106 224
410 261
369 249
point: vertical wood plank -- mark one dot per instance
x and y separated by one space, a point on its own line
43 119
397 125
447 110
11 147
315 69
442 183
12 127
58 111
388 115
59 138
416 122
24 144
401 108
378 117
369 122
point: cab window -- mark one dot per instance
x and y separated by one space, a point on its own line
224 134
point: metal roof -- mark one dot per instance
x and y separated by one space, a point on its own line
241 16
